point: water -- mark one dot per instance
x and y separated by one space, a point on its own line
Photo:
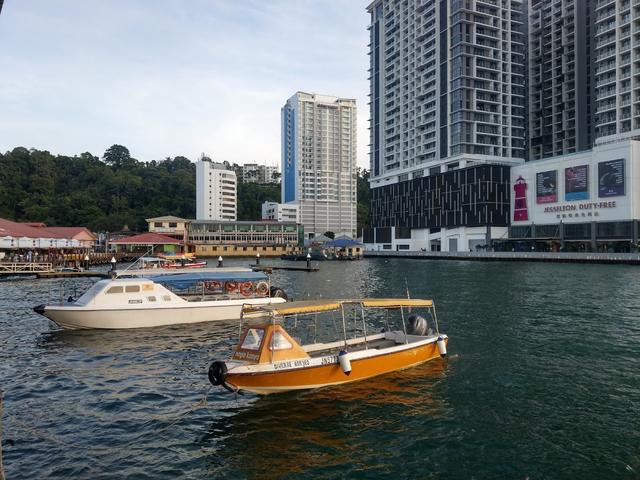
543 383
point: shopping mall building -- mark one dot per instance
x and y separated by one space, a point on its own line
588 201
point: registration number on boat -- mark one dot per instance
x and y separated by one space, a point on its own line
329 360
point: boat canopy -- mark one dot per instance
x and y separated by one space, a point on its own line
183 281
314 306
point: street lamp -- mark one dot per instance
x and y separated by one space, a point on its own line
86 262
258 258
308 260
113 264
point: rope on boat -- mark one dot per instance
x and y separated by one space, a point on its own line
134 443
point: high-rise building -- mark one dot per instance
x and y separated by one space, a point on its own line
447 95
255 173
560 110
616 47
216 197
319 162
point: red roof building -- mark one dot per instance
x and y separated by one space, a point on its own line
148 240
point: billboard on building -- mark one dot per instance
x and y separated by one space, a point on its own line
576 183
611 178
547 187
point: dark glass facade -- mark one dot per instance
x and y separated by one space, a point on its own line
469 197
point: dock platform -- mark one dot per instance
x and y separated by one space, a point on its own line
85 274
270 268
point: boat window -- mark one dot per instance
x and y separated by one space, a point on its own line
280 342
132 288
166 298
151 299
114 290
253 339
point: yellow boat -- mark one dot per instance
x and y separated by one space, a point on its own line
268 359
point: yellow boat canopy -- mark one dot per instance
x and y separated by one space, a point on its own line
316 306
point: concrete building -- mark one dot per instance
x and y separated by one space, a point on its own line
255 173
280 212
216 191
319 162
214 238
616 46
447 119
560 94
587 201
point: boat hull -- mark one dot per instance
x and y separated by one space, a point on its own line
309 377
78 318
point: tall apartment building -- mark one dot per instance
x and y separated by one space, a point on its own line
216 193
560 71
255 173
447 108
319 162
616 46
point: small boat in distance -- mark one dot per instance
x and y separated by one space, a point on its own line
152 298
269 360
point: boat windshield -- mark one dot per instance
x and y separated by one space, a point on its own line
91 293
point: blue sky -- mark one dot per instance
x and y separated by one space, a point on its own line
174 77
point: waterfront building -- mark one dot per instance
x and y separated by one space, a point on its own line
216 190
319 162
255 173
146 244
560 87
447 120
208 238
581 202
280 212
174 227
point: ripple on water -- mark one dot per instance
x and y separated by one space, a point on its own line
543 384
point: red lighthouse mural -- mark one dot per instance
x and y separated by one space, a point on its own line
520 212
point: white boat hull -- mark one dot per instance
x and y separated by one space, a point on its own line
78 318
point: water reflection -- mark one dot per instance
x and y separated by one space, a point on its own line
294 433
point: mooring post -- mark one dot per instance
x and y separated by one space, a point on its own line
308 261
257 258
220 261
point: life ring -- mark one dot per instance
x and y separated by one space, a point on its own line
231 286
246 289
212 285
262 288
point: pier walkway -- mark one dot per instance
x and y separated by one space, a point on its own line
562 257
24 268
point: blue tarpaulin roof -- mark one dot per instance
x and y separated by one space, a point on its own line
342 243
183 281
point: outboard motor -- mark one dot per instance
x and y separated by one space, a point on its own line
416 325
39 309
278 292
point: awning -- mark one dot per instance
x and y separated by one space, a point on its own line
316 306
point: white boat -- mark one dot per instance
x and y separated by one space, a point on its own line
141 299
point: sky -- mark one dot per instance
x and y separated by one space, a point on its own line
174 77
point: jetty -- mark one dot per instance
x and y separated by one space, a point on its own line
559 257
271 268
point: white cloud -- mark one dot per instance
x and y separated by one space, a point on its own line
169 77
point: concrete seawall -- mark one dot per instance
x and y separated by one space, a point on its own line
562 257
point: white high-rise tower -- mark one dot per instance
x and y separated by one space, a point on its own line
216 194
319 162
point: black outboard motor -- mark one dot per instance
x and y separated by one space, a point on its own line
416 325
278 292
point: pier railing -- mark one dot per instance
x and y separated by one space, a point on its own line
564 257
17 268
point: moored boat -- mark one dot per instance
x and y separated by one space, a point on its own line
140 299
268 359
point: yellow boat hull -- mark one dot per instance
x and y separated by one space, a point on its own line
307 377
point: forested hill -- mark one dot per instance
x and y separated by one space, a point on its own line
109 193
